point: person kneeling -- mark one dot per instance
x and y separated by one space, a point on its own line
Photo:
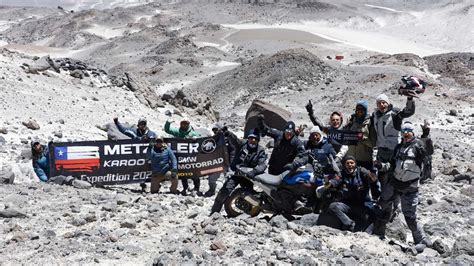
354 185
164 165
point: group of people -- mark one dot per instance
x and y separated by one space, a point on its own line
375 175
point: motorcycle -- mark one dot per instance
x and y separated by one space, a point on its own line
279 193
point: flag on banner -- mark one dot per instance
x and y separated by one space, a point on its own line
77 158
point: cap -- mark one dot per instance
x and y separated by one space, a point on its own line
382 97
407 127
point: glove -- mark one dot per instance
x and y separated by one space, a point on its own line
225 130
174 174
378 165
309 107
407 92
425 128
250 174
115 119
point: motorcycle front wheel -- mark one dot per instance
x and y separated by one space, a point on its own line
236 204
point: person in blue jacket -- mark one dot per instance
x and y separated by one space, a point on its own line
321 149
141 132
164 165
40 160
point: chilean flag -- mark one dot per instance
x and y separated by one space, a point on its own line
77 158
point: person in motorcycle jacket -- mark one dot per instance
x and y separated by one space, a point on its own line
321 150
249 154
289 152
405 169
354 198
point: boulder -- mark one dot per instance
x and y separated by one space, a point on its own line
81 184
279 221
464 245
42 64
7 176
79 74
9 213
275 116
31 124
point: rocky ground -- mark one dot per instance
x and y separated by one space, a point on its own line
64 75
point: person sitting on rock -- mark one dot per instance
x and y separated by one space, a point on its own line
355 200
164 165
184 131
288 153
40 160
141 132
249 154
335 123
404 169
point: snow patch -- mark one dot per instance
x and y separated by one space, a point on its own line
106 31
383 8
372 41
202 44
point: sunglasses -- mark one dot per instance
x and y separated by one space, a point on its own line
406 130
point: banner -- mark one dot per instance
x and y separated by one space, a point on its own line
125 161
344 137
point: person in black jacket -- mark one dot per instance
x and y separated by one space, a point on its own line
230 144
289 152
354 188
250 154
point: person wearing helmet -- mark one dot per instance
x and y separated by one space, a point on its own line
40 160
141 132
320 149
164 165
288 153
249 154
184 131
404 168
231 144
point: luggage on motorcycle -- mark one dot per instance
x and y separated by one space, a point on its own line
273 180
